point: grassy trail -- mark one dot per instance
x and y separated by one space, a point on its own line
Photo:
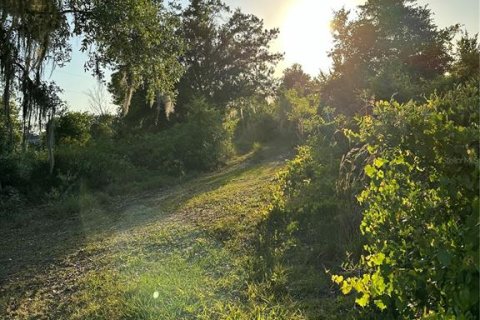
181 253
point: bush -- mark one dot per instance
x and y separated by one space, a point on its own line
98 164
309 226
299 113
421 209
73 128
103 127
198 144
25 172
307 194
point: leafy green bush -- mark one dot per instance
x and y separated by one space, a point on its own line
196 144
73 128
15 172
309 226
302 113
308 194
98 164
200 141
88 153
421 208
103 127
25 172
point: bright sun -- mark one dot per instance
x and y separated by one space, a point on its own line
305 34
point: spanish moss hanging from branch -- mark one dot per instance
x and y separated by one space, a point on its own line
136 38
32 33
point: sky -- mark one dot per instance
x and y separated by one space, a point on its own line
304 37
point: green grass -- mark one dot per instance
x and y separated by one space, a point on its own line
210 247
179 253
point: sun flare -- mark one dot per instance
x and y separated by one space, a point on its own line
305 33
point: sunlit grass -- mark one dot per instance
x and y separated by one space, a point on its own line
176 254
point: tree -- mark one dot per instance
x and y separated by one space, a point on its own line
295 78
391 49
6 144
227 61
223 63
31 33
298 101
134 38
137 40
467 58
141 117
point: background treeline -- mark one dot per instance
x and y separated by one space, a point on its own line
382 194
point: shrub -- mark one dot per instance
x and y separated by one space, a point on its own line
421 209
309 227
22 171
298 113
73 128
196 144
307 193
103 127
99 164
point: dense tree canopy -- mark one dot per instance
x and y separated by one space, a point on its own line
225 61
389 50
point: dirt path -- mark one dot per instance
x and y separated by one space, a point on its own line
169 254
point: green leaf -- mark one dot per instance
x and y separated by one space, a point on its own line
444 257
337 279
378 258
378 283
346 287
363 300
379 303
380 174
370 171
379 162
